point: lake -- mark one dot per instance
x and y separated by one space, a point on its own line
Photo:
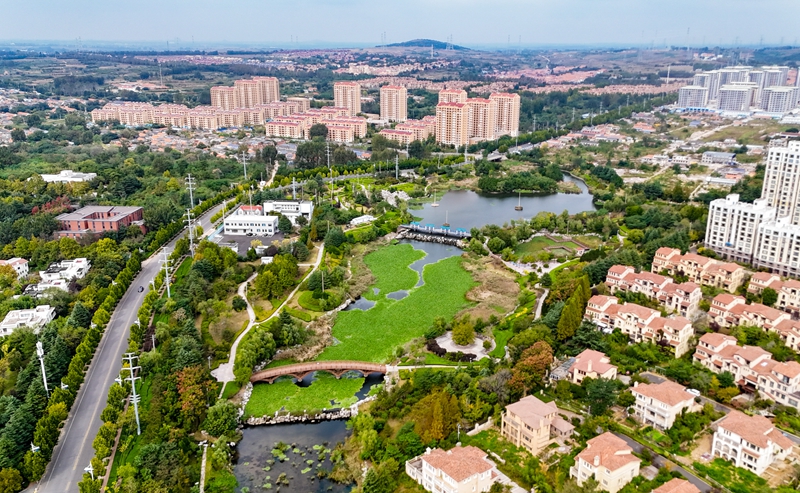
467 209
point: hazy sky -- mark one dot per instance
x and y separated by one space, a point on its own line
213 23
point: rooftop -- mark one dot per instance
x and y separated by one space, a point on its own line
609 450
459 463
668 392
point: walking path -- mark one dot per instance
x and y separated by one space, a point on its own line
540 304
203 469
224 373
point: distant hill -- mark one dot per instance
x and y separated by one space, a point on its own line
425 43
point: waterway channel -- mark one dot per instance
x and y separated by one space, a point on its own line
467 209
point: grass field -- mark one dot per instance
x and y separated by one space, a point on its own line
325 392
539 243
372 335
501 338
390 266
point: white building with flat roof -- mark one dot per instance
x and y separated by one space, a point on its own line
250 220
293 209
68 176
779 99
34 317
68 270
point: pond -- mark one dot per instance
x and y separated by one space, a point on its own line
467 209
255 450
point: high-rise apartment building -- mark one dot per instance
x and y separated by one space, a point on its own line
735 98
781 188
269 88
692 97
732 229
248 93
452 96
779 99
224 97
452 124
776 75
481 118
507 113
348 95
767 232
394 103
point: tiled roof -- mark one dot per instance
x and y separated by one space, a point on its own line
598 360
612 451
757 430
677 485
459 463
668 392
532 411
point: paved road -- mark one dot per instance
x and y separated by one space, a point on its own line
660 461
74 449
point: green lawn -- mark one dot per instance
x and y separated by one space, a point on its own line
307 301
284 394
390 266
501 338
373 334
539 243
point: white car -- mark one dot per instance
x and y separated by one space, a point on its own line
694 392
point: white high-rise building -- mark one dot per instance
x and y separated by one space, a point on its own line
732 228
765 233
781 187
779 99
735 98
692 97
776 75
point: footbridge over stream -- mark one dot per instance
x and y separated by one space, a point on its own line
336 368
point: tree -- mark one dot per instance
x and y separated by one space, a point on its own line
18 135
530 370
496 245
222 418
463 332
10 480
626 399
238 303
769 296
284 225
193 389
318 130
601 394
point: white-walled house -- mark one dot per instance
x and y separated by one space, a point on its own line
750 442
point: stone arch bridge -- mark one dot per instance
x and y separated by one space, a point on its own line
300 370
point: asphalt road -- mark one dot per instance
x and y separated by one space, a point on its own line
74 450
660 461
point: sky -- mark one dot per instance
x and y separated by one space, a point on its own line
210 24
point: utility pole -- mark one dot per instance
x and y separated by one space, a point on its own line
190 184
244 163
166 269
573 115
534 123
190 225
396 167
40 354
129 357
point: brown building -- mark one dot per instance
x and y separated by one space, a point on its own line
98 219
533 424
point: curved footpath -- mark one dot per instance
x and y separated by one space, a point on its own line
224 372
74 450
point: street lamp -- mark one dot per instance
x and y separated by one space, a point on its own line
90 470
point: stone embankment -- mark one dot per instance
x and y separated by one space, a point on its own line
443 240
